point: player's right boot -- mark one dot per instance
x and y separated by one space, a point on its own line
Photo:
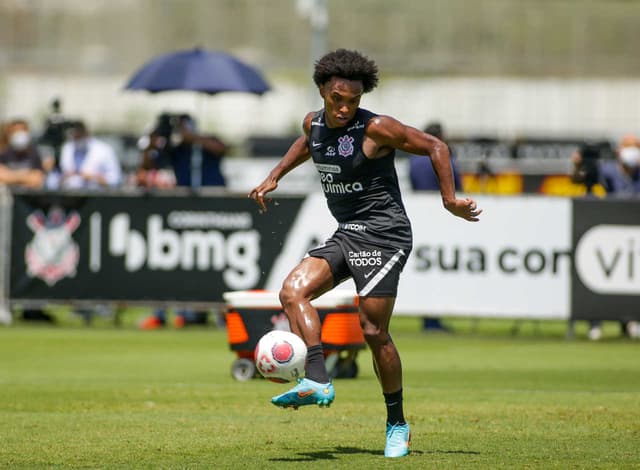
398 439
307 392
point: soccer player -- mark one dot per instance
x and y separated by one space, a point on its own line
353 150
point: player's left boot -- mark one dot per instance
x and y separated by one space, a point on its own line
398 439
307 392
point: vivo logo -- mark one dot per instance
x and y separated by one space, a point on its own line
607 259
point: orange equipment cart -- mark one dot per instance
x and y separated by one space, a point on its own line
251 314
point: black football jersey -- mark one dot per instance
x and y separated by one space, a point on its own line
362 194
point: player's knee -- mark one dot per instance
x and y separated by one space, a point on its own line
374 335
289 295
285 296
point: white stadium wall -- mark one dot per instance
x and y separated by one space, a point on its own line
468 106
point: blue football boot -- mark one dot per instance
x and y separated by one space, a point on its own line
307 392
398 439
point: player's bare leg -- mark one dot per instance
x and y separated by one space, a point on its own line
311 278
375 314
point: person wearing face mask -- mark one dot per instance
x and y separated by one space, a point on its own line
620 177
20 161
21 166
88 163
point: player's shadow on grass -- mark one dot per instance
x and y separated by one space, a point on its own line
463 452
331 454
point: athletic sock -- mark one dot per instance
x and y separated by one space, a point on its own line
315 368
395 415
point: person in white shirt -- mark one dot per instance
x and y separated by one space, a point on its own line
88 163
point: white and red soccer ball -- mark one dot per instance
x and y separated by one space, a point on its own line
280 356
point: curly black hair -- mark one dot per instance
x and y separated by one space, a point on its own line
351 65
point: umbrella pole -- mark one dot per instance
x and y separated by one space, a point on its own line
200 110
196 156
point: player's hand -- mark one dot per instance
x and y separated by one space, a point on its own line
259 192
465 208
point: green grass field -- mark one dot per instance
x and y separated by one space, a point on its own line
106 397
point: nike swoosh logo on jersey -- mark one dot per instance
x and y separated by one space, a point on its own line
316 144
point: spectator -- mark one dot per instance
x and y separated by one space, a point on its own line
52 138
423 178
86 162
21 166
619 177
175 144
20 161
155 169
622 176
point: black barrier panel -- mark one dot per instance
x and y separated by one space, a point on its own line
606 274
158 248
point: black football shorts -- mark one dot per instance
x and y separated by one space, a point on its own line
375 269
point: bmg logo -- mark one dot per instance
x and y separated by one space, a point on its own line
163 249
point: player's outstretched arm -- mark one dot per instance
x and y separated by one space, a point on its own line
298 153
466 208
386 132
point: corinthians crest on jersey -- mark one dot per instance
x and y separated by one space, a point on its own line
345 149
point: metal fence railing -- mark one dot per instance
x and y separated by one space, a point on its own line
5 253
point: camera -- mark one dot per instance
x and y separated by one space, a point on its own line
166 124
592 152
170 126
55 129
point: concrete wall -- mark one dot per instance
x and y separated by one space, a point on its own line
502 107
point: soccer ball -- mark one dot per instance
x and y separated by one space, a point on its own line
280 356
